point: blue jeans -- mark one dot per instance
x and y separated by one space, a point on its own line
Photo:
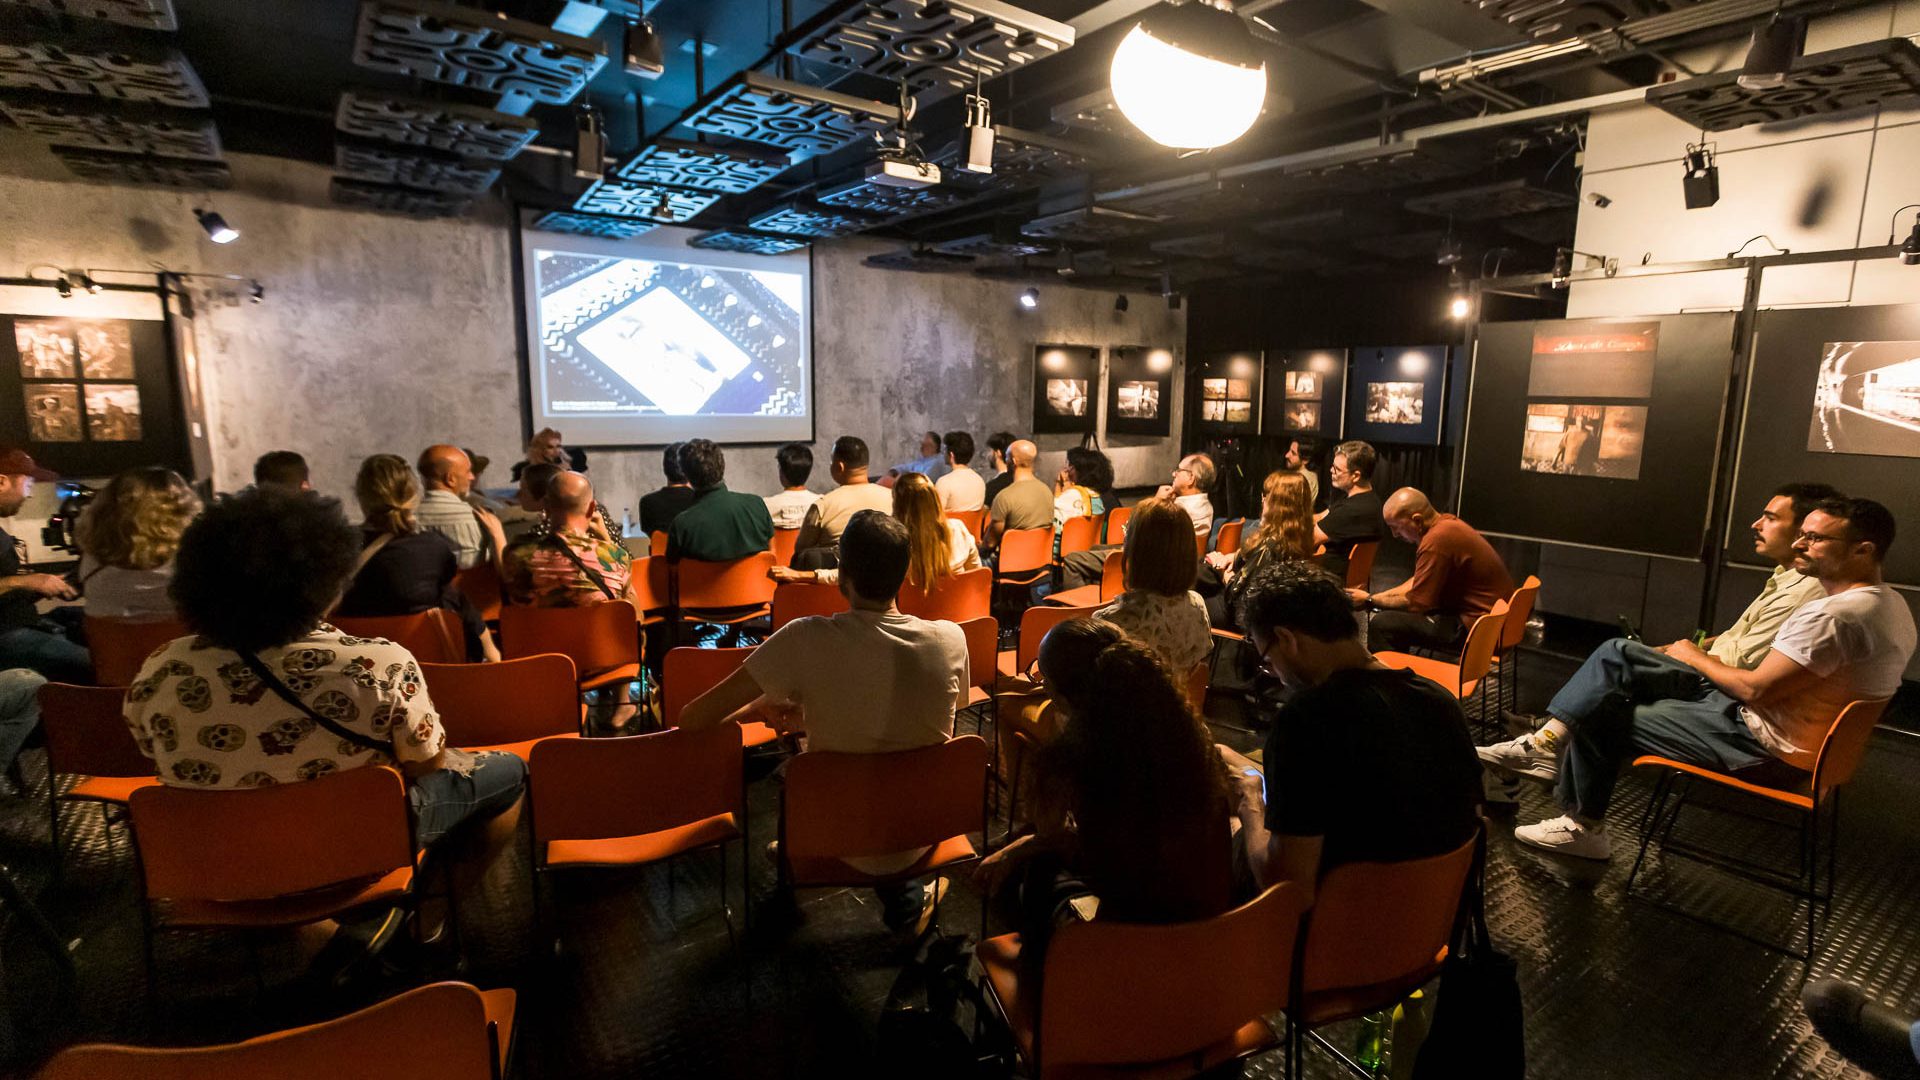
1629 699
19 710
902 902
51 654
443 799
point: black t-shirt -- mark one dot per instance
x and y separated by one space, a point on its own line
1350 521
999 484
17 606
1377 762
410 574
659 508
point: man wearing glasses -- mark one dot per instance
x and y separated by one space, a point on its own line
1851 643
1354 518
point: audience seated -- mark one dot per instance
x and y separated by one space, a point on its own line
1192 480
997 445
264 692
1026 502
546 447
1159 607
1851 643
1083 487
816 546
941 546
1308 815
932 462
719 525
1745 643
1457 577
1131 803
1285 533
961 488
574 563
869 680
402 568
447 476
659 508
128 535
28 640
19 711
283 469
1299 459
526 518
1354 516
476 495
788 507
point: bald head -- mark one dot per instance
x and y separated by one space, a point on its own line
446 468
569 498
1409 514
1022 454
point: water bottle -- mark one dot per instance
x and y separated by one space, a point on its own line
1411 1020
626 522
1371 1049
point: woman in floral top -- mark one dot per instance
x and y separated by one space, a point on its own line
1160 607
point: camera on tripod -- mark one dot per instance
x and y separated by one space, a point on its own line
61 532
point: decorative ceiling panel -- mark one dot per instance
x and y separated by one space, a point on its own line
117 70
809 219
474 48
1553 20
1546 227
938 46
1205 199
665 206
126 129
1485 202
729 170
799 119
1322 225
745 242
144 169
610 228
139 14
1213 245
1090 225
389 198
894 202
467 130
919 261
1394 165
1000 243
387 165
1829 82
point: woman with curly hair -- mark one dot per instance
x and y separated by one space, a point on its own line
405 569
1285 532
941 545
128 537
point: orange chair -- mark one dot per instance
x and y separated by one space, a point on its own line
1113 581
1506 655
1817 794
480 583
974 520
798 599
657 543
120 646
86 734
724 593
1034 624
282 855
1460 679
1228 541
840 806
954 597
652 589
1116 526
637 800
1196 686
441 1031
1026 556
690 672
983 655
601 639
1360 564
1171 1000
1079 534
1200 541
433 636
783 542
505 706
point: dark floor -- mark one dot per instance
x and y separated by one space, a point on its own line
646 984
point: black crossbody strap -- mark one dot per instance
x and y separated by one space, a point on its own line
580 564
273 682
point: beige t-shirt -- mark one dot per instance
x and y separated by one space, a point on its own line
828 518
1858 642
961 489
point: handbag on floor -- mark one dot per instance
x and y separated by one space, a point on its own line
936 1024
1479 1026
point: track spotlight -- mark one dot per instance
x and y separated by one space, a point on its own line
645 56
1909 251
1776 45
1190 77
1449 252
979 157
257 293
81 279
1701 184
1120 304
1460 305
1562 269
217 228
64 286
1030 299
589 145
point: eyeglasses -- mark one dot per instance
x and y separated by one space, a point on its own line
1812 538
1182 469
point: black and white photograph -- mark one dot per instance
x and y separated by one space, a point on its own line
1303 384
1067 397
1867 399
53 412
106 349
1585 440
45 348
1138 400
1395 402
1302 416
113 412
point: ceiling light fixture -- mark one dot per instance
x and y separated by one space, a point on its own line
82 279
257 293
217 228
1030 299
1461 304
64 286
645 55
1450 251
1909 251
1120 304
589 145
1776 45
979 156
1701 184
1191 77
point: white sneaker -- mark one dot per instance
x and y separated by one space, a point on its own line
1522 756
1565 836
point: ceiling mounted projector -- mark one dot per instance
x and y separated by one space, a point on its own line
903 171
1190 77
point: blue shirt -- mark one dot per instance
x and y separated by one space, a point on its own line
933 466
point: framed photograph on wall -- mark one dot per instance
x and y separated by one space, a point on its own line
1066 386
1228 386
1393 393
1305 391
1139 390
91 396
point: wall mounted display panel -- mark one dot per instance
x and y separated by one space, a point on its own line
1226 388
1834 397
1305 391
1591 466
1394 393
1066 386
1139 390
91 397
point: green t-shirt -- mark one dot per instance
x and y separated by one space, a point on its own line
1025 504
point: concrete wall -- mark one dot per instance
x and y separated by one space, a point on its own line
382 333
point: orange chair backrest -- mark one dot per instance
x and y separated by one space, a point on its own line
690 672
1840 751
1022 550
1079 534
798 599
1228 541
261 843
1113 575
1034 624
1196 686
1375 923
1208 978
840 805
1519 610
657 543
1476 656
983 651
120 646
974 520
480 583
432 636
1200 540
783 544
737 583
87 733
1360 563
433 1032
1117 524
954 597
508 702
652 584
595 637
594 789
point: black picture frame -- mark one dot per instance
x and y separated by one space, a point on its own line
1283 410
1423 367
162 422
1074 369
1223 393
1151 368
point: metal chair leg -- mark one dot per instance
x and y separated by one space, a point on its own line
1648 818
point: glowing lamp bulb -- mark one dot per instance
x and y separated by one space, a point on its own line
1184 99
1459 307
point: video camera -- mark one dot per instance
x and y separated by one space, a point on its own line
61 532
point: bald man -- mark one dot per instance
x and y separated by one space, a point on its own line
1457 577
446 476
1027 502
572 566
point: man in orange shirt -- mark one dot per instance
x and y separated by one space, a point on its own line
1457 577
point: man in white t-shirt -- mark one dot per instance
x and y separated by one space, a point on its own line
961 488
789 506
1850 644
866 681
1192 479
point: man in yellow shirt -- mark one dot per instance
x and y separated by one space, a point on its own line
1746 642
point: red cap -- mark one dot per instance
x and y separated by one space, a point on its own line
17 462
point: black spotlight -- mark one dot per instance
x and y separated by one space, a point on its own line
1701 184
81 279
646 54
589 145
64 286
258 293
1776 45
1030 299
1910 251
217 228
1120 303
1562 269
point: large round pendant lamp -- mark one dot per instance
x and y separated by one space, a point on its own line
1190 77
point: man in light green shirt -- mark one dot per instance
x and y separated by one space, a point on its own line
1746 642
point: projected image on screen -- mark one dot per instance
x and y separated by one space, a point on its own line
1585 440
1867 399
